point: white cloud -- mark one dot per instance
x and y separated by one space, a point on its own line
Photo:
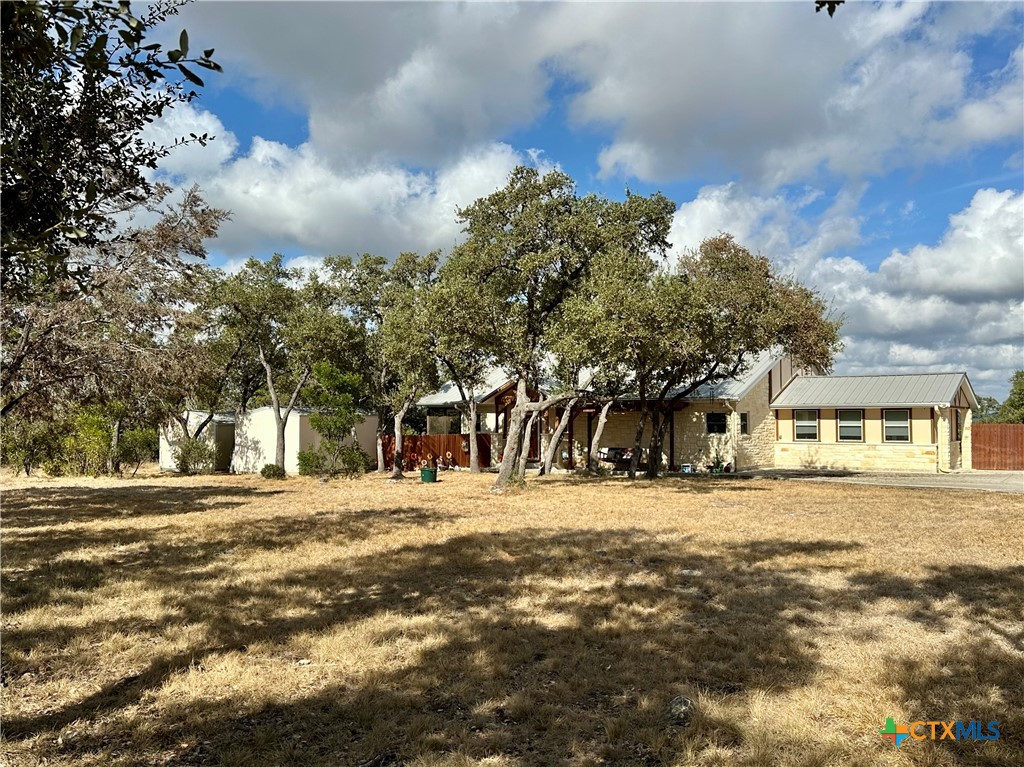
980 257
283 198
955 305
191 160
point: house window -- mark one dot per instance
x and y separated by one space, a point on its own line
806 424
897 425
851 426
744 423
959 425
716 423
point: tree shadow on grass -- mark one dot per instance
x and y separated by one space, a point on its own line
46 507
550 646
685 483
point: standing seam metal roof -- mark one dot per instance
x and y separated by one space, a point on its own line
918 389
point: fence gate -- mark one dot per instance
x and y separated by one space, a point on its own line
997 446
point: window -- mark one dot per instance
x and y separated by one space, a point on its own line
959 425
897 425
744 423
806 424
716 423
851 426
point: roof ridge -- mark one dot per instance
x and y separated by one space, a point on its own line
887 375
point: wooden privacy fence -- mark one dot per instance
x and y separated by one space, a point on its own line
997 446
420 447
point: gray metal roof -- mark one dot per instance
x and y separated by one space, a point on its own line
914 389
448 394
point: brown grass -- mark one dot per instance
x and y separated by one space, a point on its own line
238 621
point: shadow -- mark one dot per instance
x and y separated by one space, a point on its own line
690 483
628 623
46 507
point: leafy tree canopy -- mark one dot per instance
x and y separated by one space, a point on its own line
80 82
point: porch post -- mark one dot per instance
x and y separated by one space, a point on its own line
672 441
570 463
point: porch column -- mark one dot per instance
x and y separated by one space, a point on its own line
570 463
672 441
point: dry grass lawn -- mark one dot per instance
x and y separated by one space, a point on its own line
239 621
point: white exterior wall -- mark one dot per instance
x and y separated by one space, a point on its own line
171 435
256 440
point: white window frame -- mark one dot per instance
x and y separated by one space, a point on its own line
860 425
797 423
885 425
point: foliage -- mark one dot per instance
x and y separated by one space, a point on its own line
289 323
113 341
30 443
333 396
273 471
348 461
988 410
391 304
195 455
1012 409
80 82
136 446
86 448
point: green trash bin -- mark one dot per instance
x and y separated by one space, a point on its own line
428 475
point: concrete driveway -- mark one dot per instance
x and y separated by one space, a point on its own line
993 481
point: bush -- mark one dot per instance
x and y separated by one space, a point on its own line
137 446
195 456
273 471
86 448
353 462
349 462
312 463
28 444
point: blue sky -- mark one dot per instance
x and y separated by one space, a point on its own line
876 155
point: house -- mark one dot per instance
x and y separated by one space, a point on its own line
495 399
774 415
731 420
256 439
919 422
728 423
220 432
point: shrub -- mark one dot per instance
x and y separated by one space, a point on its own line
195 456
352 462
273 471
312 463
86 448
137 446
348 461
28 444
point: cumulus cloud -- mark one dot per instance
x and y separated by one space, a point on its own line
191 160
957 304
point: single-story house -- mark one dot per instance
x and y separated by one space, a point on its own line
220 432
772 415
919 422
256 439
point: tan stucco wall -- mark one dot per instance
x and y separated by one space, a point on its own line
920 454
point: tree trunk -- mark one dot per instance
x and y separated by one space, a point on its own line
380 442
595 443
113 463
524 446
281 424
556 438
654 445
513 444
634 462
397 469
474 452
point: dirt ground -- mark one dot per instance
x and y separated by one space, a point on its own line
241 621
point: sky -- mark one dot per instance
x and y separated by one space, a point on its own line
877 156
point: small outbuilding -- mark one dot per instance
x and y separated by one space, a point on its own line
917 422
219 432
256 439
